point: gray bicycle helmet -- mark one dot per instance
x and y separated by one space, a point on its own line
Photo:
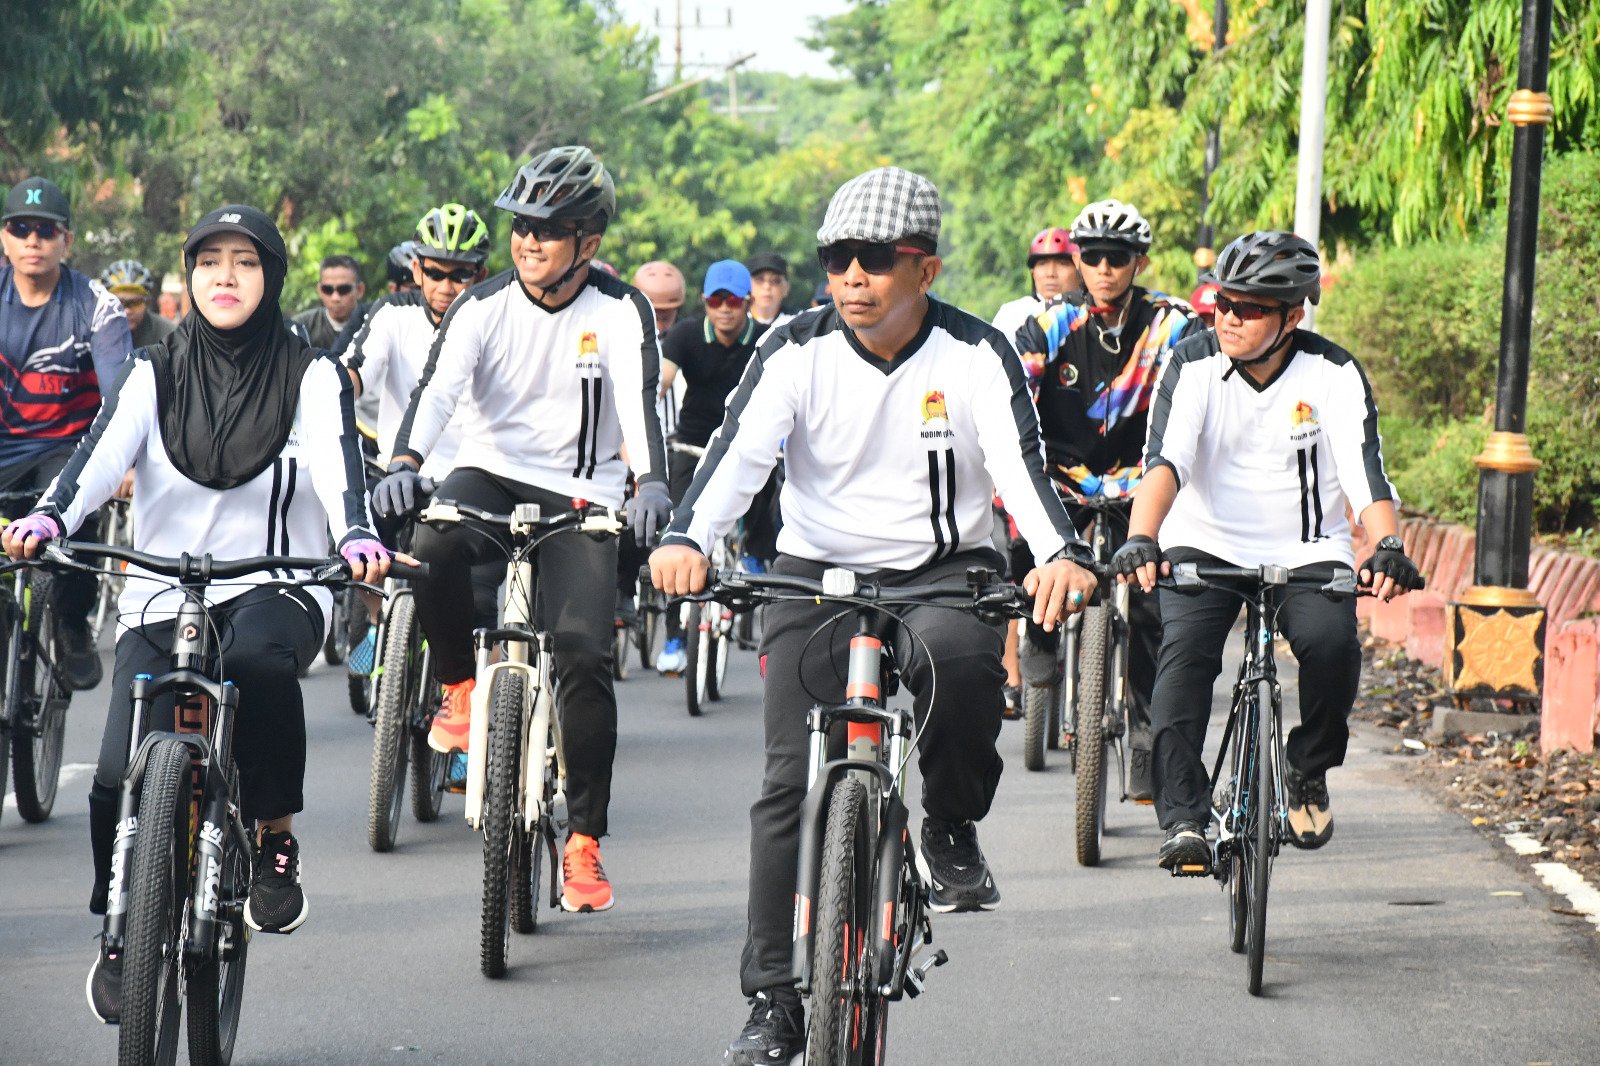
1271 263
398 266
128 276
567 183
1111 222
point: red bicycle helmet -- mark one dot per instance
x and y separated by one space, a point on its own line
1050 242
1204 300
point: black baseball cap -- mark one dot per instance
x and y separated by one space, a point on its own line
767 261
37 198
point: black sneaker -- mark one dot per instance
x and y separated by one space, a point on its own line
1013 708
958 877
276 903
1310 818
1185 851
104 988
80 661
775 1033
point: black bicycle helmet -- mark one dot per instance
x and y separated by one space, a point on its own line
1111 222
399 263
1271 263
567 183
453 233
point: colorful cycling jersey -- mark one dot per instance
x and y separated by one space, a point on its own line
313 487
889 464
555 393
389 353
53 359
1265 471
1094 384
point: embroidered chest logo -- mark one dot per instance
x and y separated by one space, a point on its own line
935 416
1067 374
1303 422
588 353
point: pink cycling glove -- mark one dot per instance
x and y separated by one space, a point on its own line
365 550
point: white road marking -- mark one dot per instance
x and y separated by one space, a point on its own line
1523 844
1570 883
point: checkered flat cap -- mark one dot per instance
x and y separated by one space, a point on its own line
882 205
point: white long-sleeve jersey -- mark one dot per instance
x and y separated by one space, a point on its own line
314 487
556 393
890 465
1264 471
389 353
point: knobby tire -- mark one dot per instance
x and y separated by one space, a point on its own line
845 1020
391 735
694 666
1093 653
158 885
216 988
36 754
500 835
1037 704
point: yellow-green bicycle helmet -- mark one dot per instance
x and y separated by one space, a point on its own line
454 234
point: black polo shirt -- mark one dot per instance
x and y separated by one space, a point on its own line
711 369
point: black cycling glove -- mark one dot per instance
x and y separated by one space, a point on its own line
1134 554
398 493
1393 562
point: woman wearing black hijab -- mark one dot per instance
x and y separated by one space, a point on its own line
242 442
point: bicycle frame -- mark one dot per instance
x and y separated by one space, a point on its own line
1256 687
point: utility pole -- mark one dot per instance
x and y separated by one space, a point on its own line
1205 254
1313 118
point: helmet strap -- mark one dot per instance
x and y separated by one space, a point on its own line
1278 342
578 263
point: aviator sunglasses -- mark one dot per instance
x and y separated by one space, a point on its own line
460 275
23 228
875 257
1245 311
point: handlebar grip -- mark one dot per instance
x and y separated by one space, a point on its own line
406 570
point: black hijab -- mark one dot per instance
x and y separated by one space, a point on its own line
226 398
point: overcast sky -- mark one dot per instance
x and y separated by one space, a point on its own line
773 29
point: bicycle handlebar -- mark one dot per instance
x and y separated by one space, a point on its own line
203 568
1334 579
588 517
983 591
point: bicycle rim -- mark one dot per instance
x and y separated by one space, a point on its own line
152 1001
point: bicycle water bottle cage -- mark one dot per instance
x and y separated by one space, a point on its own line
837 581
523 516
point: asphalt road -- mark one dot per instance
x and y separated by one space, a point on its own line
1396 944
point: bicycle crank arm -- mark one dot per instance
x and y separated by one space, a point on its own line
917 976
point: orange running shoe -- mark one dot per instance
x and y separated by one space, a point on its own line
584 886
453 719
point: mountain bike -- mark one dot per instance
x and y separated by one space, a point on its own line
1249 810
516 771
861 906
33 720
183 858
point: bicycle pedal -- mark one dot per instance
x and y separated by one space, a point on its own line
917 975
1191 869
1145 803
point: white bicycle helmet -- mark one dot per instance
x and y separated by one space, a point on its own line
1111 222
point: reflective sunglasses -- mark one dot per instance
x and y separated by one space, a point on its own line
875 257
1094 258
337 290
718 300
460 275
540 229
1245 311
23 228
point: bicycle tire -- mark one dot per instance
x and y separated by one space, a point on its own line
649 622
619 652
693 670
158 884
391 734
842 1027
333 649
1264 802
216 989
1037 701
1238 867
36 748
1052 726
500 835
721 634
1090 801
428 767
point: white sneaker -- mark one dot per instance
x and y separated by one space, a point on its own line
673 659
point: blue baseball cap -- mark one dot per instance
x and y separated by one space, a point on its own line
727 275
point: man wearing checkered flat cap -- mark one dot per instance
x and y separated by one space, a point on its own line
898 414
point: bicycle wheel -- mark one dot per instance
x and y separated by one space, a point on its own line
844 1023
216 988
391 734
501 831
333 647
529 873
1264 803
1091 742
428 767
158 888
649 604
1038 701
694 672
1236 857
38 719
620 641
721 641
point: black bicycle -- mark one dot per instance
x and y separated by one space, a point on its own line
1248 809
33 722
183 858
861 907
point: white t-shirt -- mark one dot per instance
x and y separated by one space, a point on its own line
555 393
1264 471
389 353
889 465
1013 314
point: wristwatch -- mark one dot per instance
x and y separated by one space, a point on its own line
1392 543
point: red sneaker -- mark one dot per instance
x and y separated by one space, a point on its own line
453 720
584 885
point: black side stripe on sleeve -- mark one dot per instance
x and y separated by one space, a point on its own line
355 477
1195 348
1026 417
482 290
1372 444
650 383
67 482
717 447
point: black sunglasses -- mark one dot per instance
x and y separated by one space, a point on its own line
1094 258
460 275
23 228
340 290
540 229
1245 311
875 257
